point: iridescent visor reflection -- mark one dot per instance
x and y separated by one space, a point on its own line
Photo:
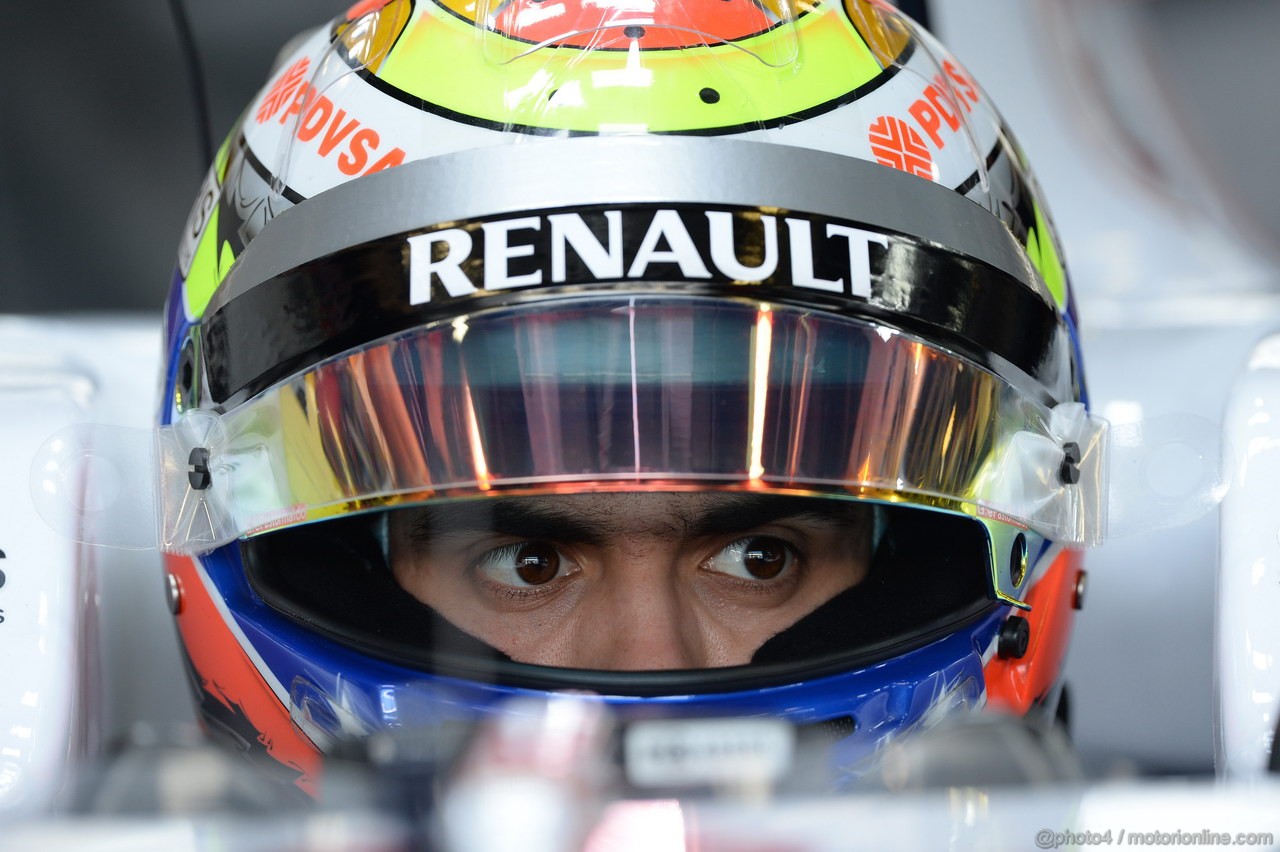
643 392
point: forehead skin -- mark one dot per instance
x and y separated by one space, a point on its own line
637 590
597 518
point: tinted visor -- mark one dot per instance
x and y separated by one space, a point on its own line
642 392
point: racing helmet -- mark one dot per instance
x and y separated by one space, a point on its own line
488 309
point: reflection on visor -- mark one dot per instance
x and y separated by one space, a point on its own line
644 392
764 31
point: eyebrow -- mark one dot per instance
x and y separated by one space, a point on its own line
533 519
515 517
748 511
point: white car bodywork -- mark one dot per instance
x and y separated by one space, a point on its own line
87 648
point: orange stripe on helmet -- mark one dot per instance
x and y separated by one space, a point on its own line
228 674
674 25
1014 685
364 7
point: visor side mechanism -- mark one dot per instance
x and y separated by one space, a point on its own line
1015 638
1018 560
1069 471
198 475
173 593
187 382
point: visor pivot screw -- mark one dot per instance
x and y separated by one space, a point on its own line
198 475
1077 598
173 593
1069 472
184 391
1015 637
1018 560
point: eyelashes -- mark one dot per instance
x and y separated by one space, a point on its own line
524 569
758 558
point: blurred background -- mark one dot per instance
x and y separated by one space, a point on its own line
1151 125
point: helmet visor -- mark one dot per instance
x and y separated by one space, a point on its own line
638 392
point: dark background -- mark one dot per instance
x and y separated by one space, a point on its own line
99 148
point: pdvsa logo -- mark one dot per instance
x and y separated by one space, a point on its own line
895 144
333 133
284 90
938 115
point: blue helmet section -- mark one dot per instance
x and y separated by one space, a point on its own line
176 329
1073 329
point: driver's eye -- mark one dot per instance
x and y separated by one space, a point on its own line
761 557
537 563
525 564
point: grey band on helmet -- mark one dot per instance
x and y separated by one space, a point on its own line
610 170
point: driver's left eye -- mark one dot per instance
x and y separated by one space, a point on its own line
760 557
528 563
537 563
